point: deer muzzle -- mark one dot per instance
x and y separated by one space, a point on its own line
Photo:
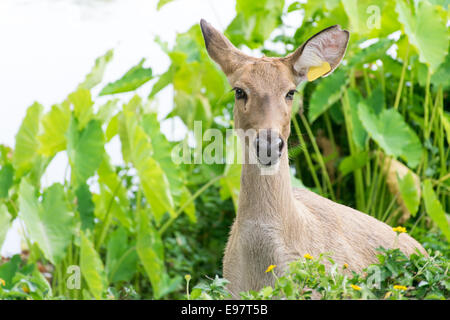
269 147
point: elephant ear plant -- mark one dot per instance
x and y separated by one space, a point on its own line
372 135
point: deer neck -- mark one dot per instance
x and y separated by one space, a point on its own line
265 197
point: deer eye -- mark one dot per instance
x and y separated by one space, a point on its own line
239 93
290 94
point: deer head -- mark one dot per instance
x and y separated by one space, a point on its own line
265 87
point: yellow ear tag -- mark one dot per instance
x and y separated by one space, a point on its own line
318 71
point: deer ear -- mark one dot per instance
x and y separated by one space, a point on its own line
320 54
221 50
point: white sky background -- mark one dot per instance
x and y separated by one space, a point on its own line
48 46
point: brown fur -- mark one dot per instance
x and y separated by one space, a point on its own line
276 224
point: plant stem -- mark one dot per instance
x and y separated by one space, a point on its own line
319 156
192 198
307 156
402 78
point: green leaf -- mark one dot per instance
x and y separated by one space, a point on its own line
85 206
96 74
173 172
150 249
162 3
106 112
392 134
445 118
254 21
5 223
25 150
108 202
371 18
50 224
55 124
353 162
9 269
359 134
154 181
327 92
92 268
190 208
131 80
164 80
6 180
82 106
434 208
121 257
408 192
113 128
371 53
426 30
108 177
85 149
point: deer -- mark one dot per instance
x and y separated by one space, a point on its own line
275 223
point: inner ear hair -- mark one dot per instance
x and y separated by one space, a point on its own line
319 55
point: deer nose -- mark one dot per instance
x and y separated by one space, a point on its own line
269 147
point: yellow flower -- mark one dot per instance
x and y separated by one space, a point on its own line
308 256
345 266
2 282
271 267
355 287
25 289
399 229
399 287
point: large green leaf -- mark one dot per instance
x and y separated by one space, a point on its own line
5 223
189 208
82 106
96 74
434 208
25 150
327 92
173 172
108 177
392 134
359 134
9 269
85 149
371 53
49 223
426 30
371 18
92 268
55 124
85 206
353 162
162 3
164 80
153 180
254 21
131 80
107 202
409 193
6 180
121 257
150 249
